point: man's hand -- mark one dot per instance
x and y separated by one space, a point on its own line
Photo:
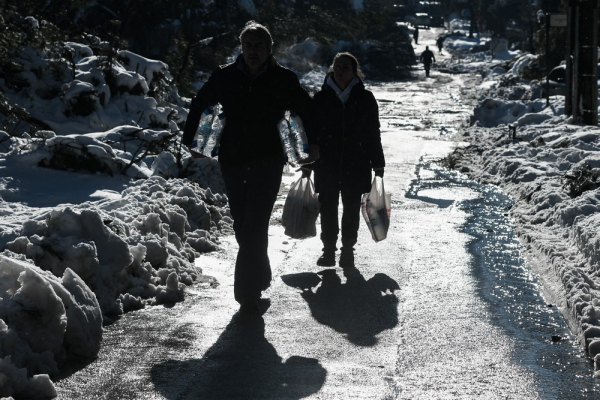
312 156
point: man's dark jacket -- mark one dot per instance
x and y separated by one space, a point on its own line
253 107
427 57
349 139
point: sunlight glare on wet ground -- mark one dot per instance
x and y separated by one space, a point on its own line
489 331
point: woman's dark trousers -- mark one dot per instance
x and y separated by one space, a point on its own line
329 201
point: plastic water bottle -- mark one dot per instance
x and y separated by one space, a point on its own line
293 138
301 145
208 137
217 130
285 135
204 130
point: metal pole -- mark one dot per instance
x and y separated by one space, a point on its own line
575 108
547 59
570 81
588 58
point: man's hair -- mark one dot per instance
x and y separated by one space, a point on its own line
353 60
261 30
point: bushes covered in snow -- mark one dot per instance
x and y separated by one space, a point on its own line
85 87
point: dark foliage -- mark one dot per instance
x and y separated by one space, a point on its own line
194 37
83 104
580 180
75 159
389 54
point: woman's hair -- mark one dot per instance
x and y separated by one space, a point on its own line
353 61
261 30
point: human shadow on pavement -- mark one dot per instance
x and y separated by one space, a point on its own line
358 308
242 364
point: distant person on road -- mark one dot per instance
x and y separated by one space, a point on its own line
427 58
440 43
254 91
350 148
416 35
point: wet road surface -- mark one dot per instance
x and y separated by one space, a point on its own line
445 308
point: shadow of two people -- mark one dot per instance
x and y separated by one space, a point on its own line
359 308
242 364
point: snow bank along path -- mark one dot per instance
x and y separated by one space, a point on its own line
550 171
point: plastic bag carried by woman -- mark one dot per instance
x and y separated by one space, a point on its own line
300 210
376 208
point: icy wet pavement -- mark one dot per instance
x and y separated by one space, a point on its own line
445 308
475 321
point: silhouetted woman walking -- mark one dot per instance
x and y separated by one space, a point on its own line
350 148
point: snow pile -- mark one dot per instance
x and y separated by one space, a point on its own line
510 79
521 63
126 150
149 69
42 319
491 112
132 251
306 60
457 43
98 259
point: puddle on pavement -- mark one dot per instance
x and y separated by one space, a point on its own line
543 343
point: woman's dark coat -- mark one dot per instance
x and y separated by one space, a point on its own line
349 139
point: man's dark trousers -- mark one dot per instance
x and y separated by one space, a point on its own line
252 190
427 68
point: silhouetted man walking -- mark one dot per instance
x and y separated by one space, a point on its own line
427 58
255 91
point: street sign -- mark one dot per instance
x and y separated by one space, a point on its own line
558 20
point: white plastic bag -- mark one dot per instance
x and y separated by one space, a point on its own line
376 208
300 210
